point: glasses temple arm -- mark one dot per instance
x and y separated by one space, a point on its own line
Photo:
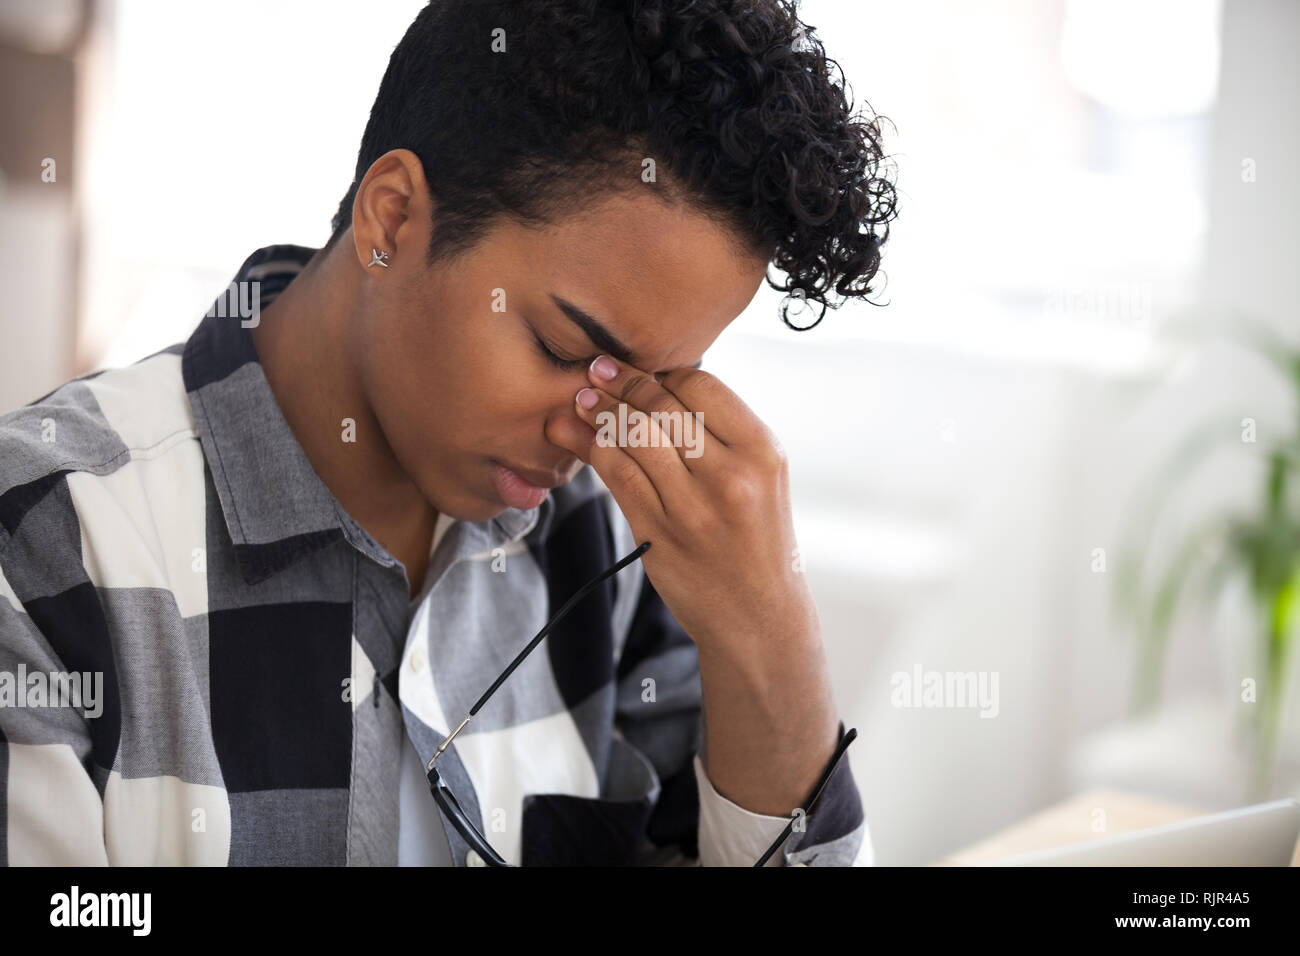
840 750
555 618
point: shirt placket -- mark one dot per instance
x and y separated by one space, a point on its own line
380 615
462 541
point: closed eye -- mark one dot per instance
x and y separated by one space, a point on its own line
558 361
569 365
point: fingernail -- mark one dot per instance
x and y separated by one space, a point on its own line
604 368
588 398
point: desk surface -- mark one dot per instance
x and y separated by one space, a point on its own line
1073 822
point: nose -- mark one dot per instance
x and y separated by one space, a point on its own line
564 431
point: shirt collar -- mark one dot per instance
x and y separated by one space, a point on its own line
275 506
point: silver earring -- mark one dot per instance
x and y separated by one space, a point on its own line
378 257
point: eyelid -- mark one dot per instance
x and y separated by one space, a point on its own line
556 357
552 349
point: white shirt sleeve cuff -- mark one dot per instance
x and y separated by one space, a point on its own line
730 835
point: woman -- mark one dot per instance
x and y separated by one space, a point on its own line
300 546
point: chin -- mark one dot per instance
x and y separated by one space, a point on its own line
473 509
467 502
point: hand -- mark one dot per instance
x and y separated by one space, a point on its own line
710 491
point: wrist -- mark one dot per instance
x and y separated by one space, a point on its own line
769 645
767 669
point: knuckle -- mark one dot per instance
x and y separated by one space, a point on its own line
701 382
741 492
625 469
661 403
638 383
773 454
709 380
777 461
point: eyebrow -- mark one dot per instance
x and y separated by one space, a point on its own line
601 337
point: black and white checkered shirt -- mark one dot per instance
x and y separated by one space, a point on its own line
205 660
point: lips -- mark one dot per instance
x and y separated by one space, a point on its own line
538 479
523 488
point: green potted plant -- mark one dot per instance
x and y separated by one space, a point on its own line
1259 547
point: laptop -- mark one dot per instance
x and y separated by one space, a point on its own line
1261 835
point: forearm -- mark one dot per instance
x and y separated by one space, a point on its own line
770 724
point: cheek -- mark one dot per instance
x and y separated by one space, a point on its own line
522 403
418 388
475 384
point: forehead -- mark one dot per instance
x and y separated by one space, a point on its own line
665 279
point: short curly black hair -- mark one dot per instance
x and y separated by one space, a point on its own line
535 108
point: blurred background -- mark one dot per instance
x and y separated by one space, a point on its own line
1099 222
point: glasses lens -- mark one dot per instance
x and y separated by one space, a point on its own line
446 800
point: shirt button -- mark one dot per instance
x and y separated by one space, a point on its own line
473 859
417 659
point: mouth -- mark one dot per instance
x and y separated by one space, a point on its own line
524 488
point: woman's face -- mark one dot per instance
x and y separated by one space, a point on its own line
451 357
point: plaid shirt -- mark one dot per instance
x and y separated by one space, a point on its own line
262 667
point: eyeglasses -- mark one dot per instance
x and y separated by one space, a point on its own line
450 806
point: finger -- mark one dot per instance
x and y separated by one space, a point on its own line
626 480
730 420
617 423
689 433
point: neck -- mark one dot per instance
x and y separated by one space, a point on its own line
304 345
